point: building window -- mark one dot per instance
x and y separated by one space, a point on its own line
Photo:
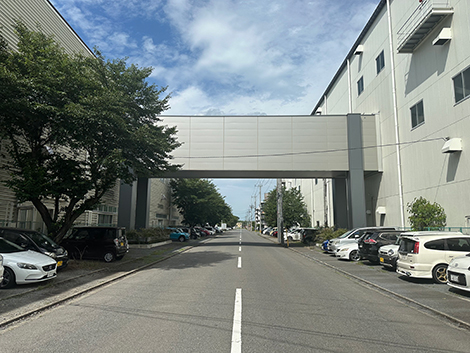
462 85
360 85
417 114
380 62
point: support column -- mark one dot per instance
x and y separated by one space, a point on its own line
356 188
142 203
127 203
340 203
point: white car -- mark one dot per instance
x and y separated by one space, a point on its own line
427 254
292 235
24 266
458 273
351 235
349 251
1 268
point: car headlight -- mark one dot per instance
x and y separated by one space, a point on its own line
26 266
66 253
344 249
391 252
51 254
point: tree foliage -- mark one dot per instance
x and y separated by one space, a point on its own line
294 209
424 215
73 125
199 201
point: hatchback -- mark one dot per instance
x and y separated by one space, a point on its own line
32 240
106 243
427 254
24 266
352 235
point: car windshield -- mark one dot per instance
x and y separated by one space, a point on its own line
9 247
346 234
43 241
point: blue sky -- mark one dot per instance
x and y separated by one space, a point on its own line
227 57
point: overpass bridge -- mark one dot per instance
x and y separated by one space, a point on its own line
341 147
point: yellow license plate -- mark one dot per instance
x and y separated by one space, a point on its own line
59 263
381 259
122 244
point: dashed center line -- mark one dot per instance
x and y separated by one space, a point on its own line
239 248
239 262
237 323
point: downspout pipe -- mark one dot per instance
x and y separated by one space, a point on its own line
395 117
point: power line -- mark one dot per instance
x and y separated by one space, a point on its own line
316 152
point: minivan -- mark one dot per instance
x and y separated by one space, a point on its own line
105 243
427 254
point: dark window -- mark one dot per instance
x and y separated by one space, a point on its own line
417 114
458 244
407 246
380 62
462 85
360 86
438 244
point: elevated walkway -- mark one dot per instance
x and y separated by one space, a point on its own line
342 147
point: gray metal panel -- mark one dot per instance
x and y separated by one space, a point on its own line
39 12
258 146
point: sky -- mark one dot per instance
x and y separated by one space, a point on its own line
227 57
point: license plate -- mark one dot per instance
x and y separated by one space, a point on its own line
59 263
381 259
122 243
454 278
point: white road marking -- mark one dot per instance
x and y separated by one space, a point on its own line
237 323
239 262
239 248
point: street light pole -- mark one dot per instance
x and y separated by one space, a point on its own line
280 228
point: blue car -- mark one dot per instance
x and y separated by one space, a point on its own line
178 234
325 246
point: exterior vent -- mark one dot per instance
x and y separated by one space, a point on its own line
359 50
444 36
452 145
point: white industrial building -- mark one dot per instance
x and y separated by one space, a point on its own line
410 67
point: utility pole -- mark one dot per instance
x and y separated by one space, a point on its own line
280 228
260 207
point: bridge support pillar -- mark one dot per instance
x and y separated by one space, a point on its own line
355 179
134 204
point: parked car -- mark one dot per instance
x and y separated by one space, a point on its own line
24 266
292 235
178 234
348 251
369 244
351 235
32 240
309 235
388 255
458 273
325 245
427 254
106 243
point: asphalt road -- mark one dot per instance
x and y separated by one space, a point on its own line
236 293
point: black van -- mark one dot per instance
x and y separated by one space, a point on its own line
32 240
106 243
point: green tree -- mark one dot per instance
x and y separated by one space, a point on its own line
294 209
424 215
199 201
74 125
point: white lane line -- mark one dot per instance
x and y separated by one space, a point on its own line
239 248
237 323
239 262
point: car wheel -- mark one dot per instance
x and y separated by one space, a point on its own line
354 255
439 274
9 280
181 238
108 257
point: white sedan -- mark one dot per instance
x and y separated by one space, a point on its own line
348 251
458 273
24 266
